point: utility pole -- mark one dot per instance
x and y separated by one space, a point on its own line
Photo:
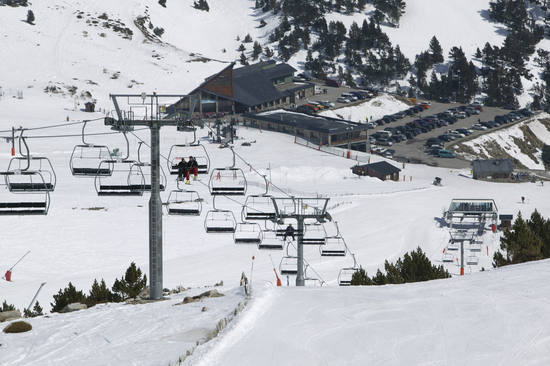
155 121
300 209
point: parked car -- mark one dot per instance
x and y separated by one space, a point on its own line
461 115
479 127
349 96
342 100
443 153
384 141
326 104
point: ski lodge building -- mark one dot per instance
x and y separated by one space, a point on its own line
318 130
251 88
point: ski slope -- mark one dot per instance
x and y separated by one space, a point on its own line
493 318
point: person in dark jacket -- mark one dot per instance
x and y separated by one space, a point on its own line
289 231
182 168
193 167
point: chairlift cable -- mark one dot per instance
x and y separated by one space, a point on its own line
59 125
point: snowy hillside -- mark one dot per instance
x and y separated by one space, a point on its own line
522 142
492 318
371 110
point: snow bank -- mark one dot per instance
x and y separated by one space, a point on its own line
371 110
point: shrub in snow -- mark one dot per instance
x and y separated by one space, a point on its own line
67 296
99 293
30 17
247 39
162 3
201 5
6 307
130 285
18 327
36 311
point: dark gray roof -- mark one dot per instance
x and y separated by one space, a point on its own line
306 121
493 166
383 167
506 217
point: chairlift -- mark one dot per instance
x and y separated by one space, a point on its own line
448 257
184 203
453 246
35 203
126 178
308 279
472 260
335 246
141 170
314 234
219 221
195 149
259 207
29 174
248 233
271 240
346 274
288 266
86 157
475 246
229 181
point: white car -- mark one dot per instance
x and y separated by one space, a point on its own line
461 115
479 127
349 96
342 100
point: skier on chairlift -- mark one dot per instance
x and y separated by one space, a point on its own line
193 167
182 167
289 231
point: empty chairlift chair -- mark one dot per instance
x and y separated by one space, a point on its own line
219 221
346 274
184 203
335 246
139 175
259 207
229 181
248 233
472 260
33 203
29 174
270 240
179 151
314 234
448 257
86 157
288 266
126 179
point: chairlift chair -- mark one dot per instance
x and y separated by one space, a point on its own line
308 279
270 240
314 234
86 157
126 178
259 207
140 174
335 246
472 260
184 203
198 151
248 233
219 221
346 274
229 181
448 257
29 174
475 246
36 203
453 246
288 266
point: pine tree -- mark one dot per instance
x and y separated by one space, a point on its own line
268 53
162 3
519 244
256 50
131 284
99 293
546 156
360 278
36 311
247 38
67 296
478 54
7 307
241 48
436 51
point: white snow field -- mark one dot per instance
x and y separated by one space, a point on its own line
371 110
379 221
499 317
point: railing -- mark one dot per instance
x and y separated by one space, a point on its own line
354 155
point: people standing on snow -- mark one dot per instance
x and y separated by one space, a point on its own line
522 199
289 231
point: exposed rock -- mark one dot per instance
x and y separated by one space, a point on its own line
9 315
18 327
204 308
144 294
219 284
210 293
75 306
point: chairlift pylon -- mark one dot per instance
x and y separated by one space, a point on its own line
195 149
219 221
85 158
229 181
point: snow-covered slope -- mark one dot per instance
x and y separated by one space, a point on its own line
371 110
501 317
522 142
